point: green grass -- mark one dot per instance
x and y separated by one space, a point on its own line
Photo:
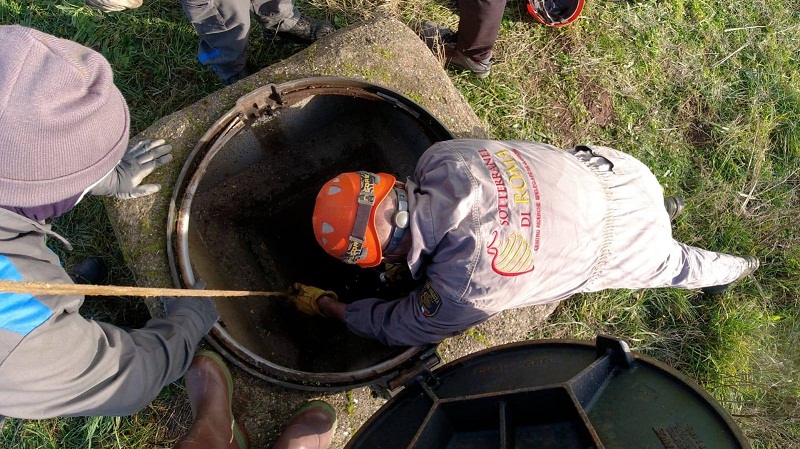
707 93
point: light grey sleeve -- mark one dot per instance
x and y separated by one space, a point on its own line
421 318
71 366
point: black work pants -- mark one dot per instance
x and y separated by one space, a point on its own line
479 23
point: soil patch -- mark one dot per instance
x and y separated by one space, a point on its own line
698 131
597 102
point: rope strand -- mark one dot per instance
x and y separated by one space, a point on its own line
48 288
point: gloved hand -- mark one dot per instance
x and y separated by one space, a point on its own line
204 305
394 273
305 297
139 161
113 5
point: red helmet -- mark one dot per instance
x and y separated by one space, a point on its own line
344 216
555 13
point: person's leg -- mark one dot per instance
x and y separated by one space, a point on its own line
479 23
690 267
281 19
222 26
311 427
478 26
210 389
639 251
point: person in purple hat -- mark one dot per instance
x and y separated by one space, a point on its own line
64 129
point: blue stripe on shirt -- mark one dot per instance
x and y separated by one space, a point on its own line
203 57
20 313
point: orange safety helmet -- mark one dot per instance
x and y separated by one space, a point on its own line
344 216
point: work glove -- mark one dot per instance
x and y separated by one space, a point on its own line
139 161
304 297
394 273
113 5
203 305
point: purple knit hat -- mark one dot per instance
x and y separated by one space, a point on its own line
63 122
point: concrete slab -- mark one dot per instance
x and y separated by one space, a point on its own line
381 51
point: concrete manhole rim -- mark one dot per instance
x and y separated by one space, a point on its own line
268 100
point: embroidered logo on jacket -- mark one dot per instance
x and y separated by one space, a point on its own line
519 212
512 255
429 301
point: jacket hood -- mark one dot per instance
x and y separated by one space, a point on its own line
13 225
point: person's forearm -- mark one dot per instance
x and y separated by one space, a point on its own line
403 322
331 308
102 370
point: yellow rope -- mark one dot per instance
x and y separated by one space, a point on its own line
46 288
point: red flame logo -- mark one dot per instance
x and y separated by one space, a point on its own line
512 256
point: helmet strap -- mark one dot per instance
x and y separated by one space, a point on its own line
366 199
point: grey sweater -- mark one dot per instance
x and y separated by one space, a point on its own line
53 362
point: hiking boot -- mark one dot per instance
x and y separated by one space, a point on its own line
481 68
305 31
674 206
436 36
244 73
209 386
311 427
92 270
442 42
752 265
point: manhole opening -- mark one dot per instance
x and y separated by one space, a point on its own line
250 225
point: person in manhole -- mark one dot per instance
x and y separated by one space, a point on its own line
493 225
64 129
